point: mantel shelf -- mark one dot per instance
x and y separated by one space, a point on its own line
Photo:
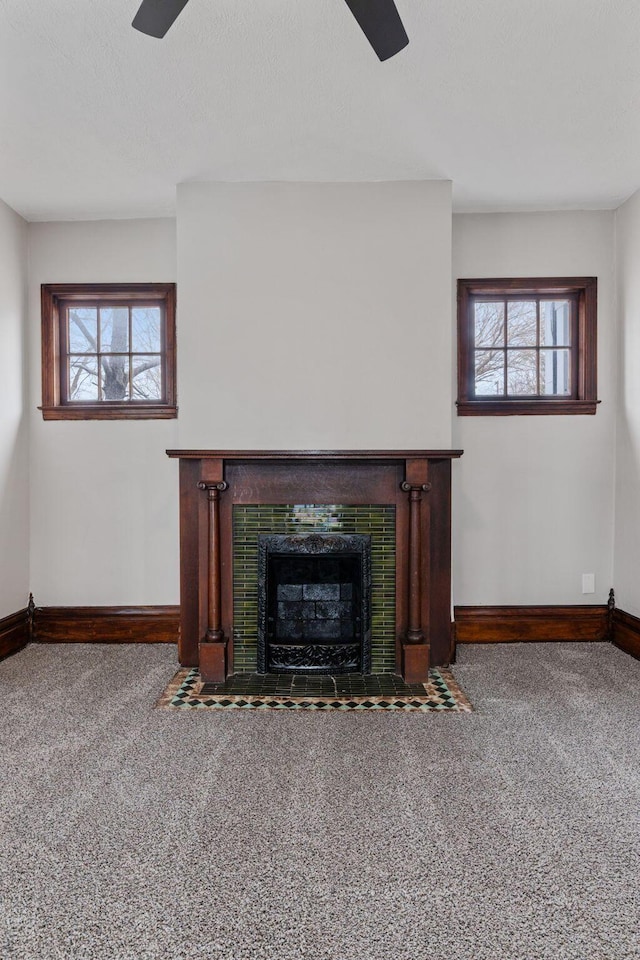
315 454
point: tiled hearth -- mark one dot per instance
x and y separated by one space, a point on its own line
297 685
346 693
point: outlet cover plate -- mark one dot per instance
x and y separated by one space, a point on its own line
588 583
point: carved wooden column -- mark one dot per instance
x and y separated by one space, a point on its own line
415 650
213 646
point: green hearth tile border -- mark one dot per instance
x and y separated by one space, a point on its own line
376 520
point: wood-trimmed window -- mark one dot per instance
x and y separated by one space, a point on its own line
527 346
108 351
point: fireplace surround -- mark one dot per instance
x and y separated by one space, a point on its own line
412 486
376 522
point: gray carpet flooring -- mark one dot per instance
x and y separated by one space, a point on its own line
130 832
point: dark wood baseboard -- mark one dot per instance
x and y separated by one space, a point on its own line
531 624
106 624
14 633
625 632
161 624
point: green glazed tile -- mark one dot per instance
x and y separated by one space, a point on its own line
378 521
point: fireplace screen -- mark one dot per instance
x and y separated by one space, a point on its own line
314 604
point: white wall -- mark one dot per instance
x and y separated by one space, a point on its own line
627 519
104 496
14 468
314 315
533 496
320 315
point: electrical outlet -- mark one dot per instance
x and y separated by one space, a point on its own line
588 583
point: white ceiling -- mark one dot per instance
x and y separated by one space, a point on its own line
523 104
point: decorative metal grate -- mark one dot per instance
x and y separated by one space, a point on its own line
314 603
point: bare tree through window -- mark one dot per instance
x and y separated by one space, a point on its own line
115 353
115 350
527 345
522 348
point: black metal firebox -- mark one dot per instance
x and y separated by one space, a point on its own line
314 601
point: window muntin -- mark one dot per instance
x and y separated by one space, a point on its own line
522 348
527 346
113 353
108 351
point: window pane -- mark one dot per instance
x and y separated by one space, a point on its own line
114 329
554 373
489 324
83 330
147 378
521 372
145 330
83 379
115 378
555 323
521 323
489 374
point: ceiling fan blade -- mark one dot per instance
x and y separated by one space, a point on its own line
381 24
156 16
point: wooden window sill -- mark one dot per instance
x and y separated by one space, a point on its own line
511 408
103 412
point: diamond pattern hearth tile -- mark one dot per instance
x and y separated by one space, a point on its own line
350 692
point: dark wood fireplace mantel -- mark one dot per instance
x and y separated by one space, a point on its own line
416 482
